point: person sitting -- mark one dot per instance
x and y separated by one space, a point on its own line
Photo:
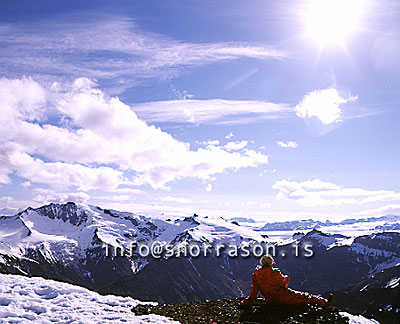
273 285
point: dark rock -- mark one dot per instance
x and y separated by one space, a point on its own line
228 311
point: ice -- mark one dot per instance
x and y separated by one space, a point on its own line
37 300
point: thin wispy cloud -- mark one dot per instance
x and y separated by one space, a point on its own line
180 200
241 78
213 111
109 47
324 105
392 209
317 193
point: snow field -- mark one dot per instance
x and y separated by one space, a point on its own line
37 300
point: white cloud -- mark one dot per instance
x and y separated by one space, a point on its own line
209 143
322 104
59 174
313 193
26 184
21 99
94 142
128 191
60 198
180 200
8 211
213 111
181 94
127 52
267 171
289 144
209 187
318 184
10 206
6 200
393 209
229 136
235 146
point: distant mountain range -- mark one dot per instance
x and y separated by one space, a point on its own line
66 242
383 223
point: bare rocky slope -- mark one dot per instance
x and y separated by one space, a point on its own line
229 311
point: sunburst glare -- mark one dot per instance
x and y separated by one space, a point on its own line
331 22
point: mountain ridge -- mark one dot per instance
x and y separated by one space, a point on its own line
66 242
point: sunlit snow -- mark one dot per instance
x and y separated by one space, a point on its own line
37 300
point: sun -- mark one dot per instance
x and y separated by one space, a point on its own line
331 22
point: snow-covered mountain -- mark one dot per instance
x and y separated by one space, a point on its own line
66 242
83 226
37 300
348 227
378 295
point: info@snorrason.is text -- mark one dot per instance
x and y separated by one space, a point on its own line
157 249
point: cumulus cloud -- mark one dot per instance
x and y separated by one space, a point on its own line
60 174
313 193
289 144
322 104
26 184
48 196
235 146
92 141
209 142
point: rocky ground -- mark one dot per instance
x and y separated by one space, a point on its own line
229 311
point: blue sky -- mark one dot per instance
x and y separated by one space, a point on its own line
266 109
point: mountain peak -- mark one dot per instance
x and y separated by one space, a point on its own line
69 211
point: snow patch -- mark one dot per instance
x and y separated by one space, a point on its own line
37 300
393 283
358 319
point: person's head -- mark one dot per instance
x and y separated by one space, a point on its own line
266 260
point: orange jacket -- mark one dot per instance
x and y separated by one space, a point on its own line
270 282
273 285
